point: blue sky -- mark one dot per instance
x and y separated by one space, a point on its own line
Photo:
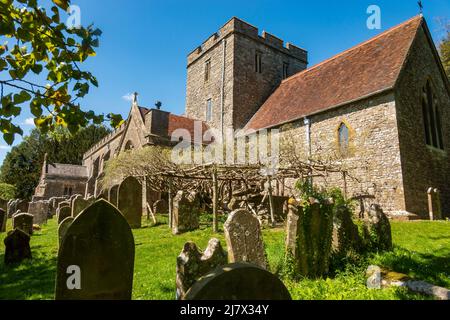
145 42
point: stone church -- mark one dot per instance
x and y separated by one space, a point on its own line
381 109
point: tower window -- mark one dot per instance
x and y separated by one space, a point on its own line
258 62
431 119
285 70
209 110
207 70
343 134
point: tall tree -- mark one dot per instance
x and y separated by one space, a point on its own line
40 66
22 165
445 53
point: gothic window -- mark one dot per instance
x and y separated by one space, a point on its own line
285 70
207 70
431 118
258 62
343 134
209 110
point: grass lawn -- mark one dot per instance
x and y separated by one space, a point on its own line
422 250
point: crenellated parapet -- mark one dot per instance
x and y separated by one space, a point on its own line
235 25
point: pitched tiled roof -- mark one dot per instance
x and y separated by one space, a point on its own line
180 122
366 69
143 111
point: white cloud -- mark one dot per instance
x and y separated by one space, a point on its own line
128 97
28 122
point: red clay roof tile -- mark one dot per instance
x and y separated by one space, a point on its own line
361 71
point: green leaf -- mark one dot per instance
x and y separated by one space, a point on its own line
63 4
21 97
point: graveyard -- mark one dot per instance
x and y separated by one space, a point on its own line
421 249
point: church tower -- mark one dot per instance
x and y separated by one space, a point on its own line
234 71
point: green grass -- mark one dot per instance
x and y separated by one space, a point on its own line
422 250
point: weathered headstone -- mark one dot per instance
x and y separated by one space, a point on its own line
309 237
185 213
39 210
24 222
12 208
17 247
64 213
161 207
79 204
244 238
97 250
130 201
239 281
63 227
378 229
3 220
112 194
192 264
345 233
22 205
434 204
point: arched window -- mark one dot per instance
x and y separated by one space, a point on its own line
431 118
343 134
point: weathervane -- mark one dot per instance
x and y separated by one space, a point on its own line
420 6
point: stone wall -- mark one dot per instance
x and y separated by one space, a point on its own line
244 90
423 166
373 157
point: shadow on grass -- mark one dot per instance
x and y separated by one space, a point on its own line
427 267
32 279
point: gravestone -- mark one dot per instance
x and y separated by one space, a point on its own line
244 238
24 222
112 194
292 230
239 281
64 213
12 208
63 227
161 207
22 205
3 220
39 210
4 204
79 204
378 229
130 201
345 233
192 264
99 245
17 247
185 213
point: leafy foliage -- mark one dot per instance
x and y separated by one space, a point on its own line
23 164
7 191
445 53
39 66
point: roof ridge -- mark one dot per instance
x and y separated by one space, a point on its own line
384 33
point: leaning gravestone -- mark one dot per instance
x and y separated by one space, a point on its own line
17 247
244 238
3 220
192 264
130 201
239 281
185 213
64 213
24 222
39 210
79 204
378 229
63 227
112 194
97 250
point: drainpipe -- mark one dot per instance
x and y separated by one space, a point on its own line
307 123
222 90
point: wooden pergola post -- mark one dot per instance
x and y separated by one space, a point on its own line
215 200
170 204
